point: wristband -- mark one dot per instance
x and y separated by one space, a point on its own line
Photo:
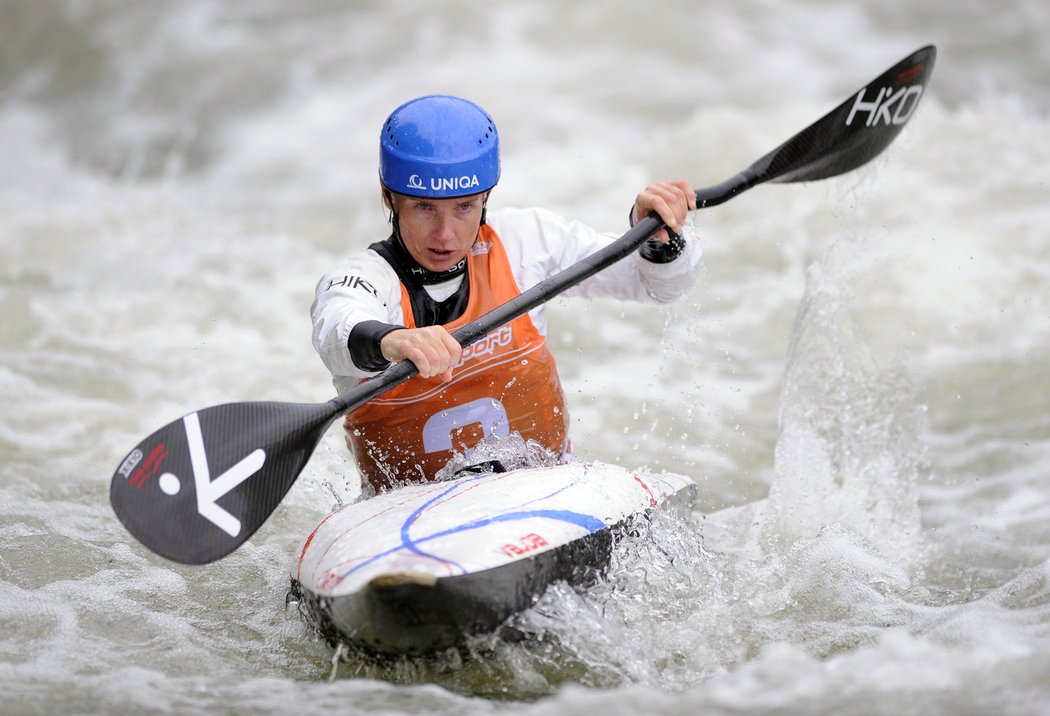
657 252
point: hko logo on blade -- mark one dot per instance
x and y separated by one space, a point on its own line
147 469
208 491
892 105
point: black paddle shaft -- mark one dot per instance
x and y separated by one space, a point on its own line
199 487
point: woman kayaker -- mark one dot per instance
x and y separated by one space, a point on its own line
447 261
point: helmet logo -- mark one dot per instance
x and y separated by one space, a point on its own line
454 183
444 184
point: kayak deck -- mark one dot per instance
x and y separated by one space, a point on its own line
420 568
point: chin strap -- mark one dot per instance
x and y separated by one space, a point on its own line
395 224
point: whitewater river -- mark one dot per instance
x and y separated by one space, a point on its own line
859 383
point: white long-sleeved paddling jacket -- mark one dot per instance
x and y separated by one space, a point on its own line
539 244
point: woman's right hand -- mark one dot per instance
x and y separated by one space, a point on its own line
432 350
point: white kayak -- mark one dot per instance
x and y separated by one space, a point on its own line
418 568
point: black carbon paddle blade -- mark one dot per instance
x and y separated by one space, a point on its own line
858 129
844 139
199 487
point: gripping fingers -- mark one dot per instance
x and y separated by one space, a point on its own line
431 349
454 349
670 200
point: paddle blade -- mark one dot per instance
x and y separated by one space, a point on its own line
199 487
855 131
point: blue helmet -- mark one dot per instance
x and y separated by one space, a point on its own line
439 146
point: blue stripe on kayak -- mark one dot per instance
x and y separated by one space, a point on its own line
588 522
423 508
413 545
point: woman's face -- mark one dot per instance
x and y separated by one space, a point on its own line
439 232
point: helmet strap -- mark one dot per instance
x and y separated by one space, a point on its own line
395 224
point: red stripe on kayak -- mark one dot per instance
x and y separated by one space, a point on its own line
652 499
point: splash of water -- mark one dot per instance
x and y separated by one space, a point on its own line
848 452
510 452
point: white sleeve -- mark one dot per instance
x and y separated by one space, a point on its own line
363 287
540 243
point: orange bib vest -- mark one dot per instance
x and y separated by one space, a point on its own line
506 382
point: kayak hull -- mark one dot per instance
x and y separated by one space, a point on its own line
420 568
